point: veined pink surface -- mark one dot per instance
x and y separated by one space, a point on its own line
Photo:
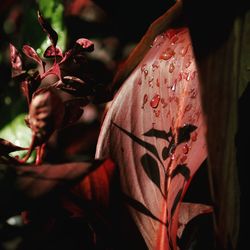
154 131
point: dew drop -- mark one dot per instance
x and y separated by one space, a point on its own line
179 77
188 107
173 87
185 149
145 99
157 113
170 33
157 82
184 50
186 76
155 101
193 93
155 66
145 73
151 79
194 136
188 63
171 68
172 157
167 54
174 40
143 67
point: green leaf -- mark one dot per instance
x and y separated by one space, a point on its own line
19 134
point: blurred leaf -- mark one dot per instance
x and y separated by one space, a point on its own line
19 134
85 44
7 147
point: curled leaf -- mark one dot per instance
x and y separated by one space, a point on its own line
54 70
31 53
75 86
52 51
53 37
73 110
7 147
85 44
16 61
45 114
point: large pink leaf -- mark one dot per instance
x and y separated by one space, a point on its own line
154 131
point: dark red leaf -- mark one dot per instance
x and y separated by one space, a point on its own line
16 61
73 110
54 70
31 53
52 51
48 29
75 86
30 84
45 114
85 44
67 55
27 184
7 147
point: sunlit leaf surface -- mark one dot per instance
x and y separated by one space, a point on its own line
154 132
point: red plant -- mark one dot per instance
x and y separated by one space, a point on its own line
47 110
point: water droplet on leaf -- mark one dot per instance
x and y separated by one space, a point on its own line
185 149
171 68
155 101
167 54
